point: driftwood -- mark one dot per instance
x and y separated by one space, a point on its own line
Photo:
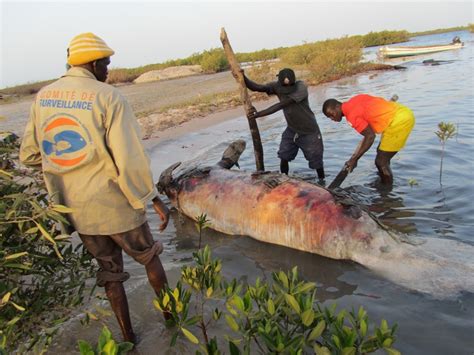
236 72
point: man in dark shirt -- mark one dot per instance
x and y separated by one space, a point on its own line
302 131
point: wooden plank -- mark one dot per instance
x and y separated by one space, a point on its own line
244 95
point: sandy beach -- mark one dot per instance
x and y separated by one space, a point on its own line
163 108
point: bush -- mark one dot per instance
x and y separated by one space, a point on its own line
262 73
42 274
282 317
121 76
214 61
373 39
335 58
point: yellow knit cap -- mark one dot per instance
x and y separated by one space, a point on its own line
87 47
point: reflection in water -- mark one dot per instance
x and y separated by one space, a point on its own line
386 205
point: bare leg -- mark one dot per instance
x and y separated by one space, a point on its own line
118 300
156 274
284 166
157 278
321 174
382 162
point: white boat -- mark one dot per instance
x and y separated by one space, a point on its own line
395 52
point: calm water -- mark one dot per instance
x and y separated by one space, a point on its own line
428 324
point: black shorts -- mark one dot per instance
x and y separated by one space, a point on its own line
311 145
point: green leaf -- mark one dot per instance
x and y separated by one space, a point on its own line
284 279
45 233
84 347
110 348
20 308
104 337
349 351
317 331
271 307
156 303
363 328
293 303
15 256
392 351
306 287
13 321
62 209
307 317
336 341
231 322
234 350
6 297
238 302
125 347
321 350
190 336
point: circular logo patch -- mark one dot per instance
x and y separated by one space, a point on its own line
65 142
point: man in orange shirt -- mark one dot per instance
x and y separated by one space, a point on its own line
370 115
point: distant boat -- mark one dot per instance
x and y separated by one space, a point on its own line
395 52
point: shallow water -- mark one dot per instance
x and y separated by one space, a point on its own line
429 209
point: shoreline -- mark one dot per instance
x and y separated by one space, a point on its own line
194 123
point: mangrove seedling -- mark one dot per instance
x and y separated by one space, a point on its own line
201 223
446 131
412 182
105 346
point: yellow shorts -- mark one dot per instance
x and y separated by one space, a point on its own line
396 134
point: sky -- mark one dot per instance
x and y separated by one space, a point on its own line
34 35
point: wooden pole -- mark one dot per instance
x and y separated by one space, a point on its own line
235 68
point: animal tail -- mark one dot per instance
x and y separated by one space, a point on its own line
232 154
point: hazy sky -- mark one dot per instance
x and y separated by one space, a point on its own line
35 34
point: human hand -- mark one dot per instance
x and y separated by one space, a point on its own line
235 75
162 211
252 113
350 165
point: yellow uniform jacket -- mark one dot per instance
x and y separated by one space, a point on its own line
86 137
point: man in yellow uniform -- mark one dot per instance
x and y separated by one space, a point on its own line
86 138
370 115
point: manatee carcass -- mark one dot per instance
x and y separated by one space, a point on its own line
278 209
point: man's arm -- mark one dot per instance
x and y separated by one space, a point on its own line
30 154
253 114
257 87
364 145
133 165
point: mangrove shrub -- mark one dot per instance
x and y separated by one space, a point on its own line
42 273
279 317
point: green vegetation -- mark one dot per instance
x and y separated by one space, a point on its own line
282 317
446 131
440 30
105 346
471 27
214 60
202 223
326 60
263 54
42 273
373 39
